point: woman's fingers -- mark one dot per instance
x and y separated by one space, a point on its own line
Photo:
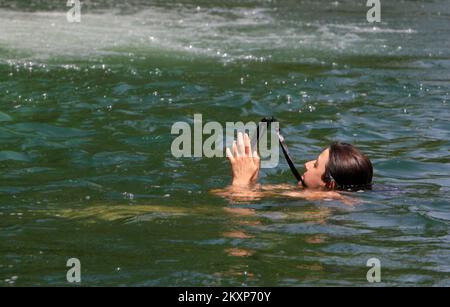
240 143
247 145
255 157
242 147
235 150
229 155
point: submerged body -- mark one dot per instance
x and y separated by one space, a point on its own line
258 191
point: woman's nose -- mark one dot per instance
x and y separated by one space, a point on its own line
307 165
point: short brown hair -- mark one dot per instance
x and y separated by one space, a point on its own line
348 167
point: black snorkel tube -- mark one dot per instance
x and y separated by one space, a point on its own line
290 161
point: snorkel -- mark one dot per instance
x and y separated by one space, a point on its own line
287 156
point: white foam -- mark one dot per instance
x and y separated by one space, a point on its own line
371 29
225 33
42 35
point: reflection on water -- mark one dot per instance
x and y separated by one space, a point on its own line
241 220
85 163
245 223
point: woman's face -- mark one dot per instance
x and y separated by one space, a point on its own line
315 169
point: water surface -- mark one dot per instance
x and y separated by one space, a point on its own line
86 169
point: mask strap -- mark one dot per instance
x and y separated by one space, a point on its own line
284 148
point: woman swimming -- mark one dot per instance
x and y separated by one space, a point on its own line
340 166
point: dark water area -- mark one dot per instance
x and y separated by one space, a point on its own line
86 169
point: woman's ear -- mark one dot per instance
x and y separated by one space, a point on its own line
331 185
328 181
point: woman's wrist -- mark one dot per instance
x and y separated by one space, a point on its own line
244 182
241 183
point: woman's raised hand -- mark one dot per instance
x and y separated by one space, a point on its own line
244 163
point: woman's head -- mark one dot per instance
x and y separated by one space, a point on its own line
340 166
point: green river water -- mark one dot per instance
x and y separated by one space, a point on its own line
86 169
